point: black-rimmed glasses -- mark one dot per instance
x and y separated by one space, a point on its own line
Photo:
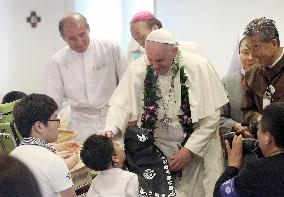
57 120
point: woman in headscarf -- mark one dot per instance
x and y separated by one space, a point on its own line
231 113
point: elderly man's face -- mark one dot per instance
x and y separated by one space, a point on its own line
76 35
139 32
262 52
160 56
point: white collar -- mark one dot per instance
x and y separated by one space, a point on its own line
277 60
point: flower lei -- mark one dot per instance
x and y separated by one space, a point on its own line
150 116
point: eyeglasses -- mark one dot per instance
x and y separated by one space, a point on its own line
57 120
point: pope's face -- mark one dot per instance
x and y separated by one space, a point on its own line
76 35
160 56
139 32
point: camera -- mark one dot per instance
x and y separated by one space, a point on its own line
250 145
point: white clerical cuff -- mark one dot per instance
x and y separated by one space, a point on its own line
114 129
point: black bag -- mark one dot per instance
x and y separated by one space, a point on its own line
146 160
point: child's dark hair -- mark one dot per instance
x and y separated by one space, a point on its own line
97 152
12 96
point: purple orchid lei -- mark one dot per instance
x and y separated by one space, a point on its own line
150 116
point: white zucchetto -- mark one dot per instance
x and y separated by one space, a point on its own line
162 36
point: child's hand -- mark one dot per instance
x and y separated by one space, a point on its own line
72 146
72 160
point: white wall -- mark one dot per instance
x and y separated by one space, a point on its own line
104 18
215 25
24 51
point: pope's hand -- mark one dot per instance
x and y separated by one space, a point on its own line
180 160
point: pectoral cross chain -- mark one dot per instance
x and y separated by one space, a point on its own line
166 120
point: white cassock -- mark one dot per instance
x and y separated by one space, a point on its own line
86 81
206 96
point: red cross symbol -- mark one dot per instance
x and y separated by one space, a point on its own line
33 19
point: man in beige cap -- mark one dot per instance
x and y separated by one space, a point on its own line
176 96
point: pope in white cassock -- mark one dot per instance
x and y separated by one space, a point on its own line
174 94
85 74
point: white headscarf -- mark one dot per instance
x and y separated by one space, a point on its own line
236 62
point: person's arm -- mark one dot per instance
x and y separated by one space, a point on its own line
235 159
203 134
226 123
239 182
52 83
249 107
70 192
121 104
196 142
72 160
117 119
228 174
70 146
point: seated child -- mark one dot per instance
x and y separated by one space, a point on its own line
101 153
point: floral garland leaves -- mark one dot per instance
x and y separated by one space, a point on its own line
175 67
150 116
185 118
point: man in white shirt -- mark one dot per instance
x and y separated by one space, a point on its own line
176 96
85 74
36 118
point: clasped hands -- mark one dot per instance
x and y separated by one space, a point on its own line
243 130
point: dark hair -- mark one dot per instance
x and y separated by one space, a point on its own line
33 108
72 16
273 121
266 28
97 152
12 96
152 22
16 179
